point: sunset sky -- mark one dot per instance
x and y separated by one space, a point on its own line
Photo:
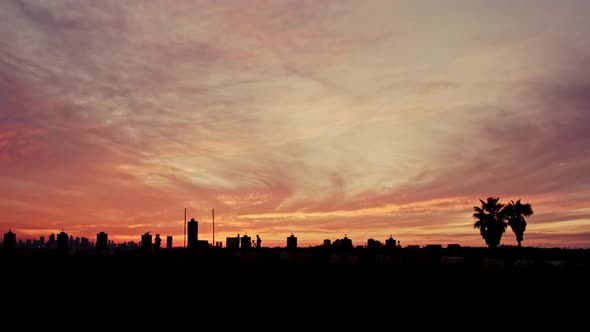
317 118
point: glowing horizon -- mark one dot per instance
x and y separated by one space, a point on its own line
317 118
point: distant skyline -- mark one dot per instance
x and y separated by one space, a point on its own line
318 118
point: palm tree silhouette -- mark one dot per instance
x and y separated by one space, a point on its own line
489 219
515 213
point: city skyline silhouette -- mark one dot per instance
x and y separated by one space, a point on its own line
373 284
295 165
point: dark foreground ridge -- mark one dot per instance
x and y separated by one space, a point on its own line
304 286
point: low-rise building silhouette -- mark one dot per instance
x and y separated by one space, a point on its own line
232 242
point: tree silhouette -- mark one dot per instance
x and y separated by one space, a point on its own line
515 212
489 219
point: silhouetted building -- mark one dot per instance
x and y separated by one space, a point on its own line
157 242
51 240
202 244
192 233
327 243
9 240
291 242
232 242
146 242
102 241
390 243
373 244
245 242
84 243
168 241
345 243
62 241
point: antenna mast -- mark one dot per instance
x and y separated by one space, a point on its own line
213 215
184 243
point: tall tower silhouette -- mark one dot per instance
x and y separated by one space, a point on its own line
146 242
102 240
9 240
292 242
192 230
62 241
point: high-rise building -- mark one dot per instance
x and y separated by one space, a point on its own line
245 242
146 242
62 241
346 243
168 241
51 240
192 232
292 242
157 242
390 243
102 241
9 240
